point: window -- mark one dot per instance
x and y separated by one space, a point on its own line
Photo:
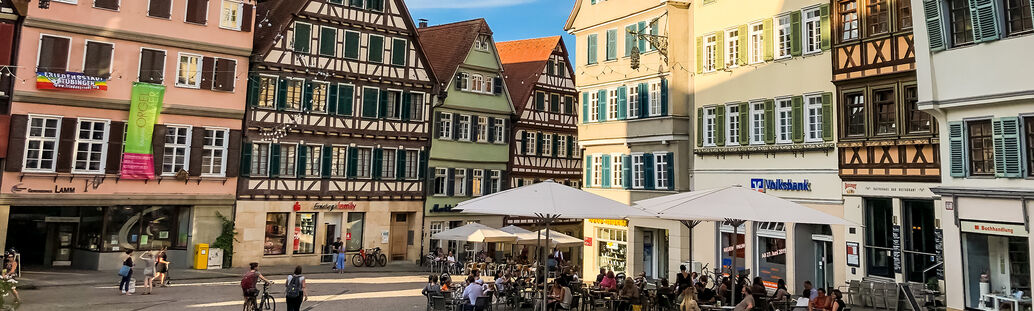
159 8
633 101
259 159
354 227
655 98
561 69
904 14
412 164
495 181
529 143
1018 16
594 107
732 48
276 234
482 130
294 94
375 49
709 126
394 101
152 66
1028 124
757 43
710 48
617 174
918 121
638 181
782 39
879 219
445 126
482 43
877 17
338 161
662 177
554 102
813 118
477 183
319 96
188 73
177 150
813 31
305 233
459 184
356 3
53 54
784 121
231 15
90 146
41 143
97 62
375 5
364 162
328 41
302 38
225 74
855 114
981 148
313 155
197 12
370 102
441 178
757 123
213 156
351 45
732 123
500 131
389 163
477 83
561 146
612 44
590 44
612 104
267 92
464 127
399 54
568 105
288 160
416 106
961 22
597 170
849 20
547 144
886 111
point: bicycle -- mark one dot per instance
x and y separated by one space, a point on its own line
369 258
265 303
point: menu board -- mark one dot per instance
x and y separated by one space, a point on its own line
895 235
938 244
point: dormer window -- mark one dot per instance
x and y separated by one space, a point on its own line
482 42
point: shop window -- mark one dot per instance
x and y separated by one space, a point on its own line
354 231
304 233
138 228
886 111
91 223
612 245
920 249
728 252
879 216
771 254
1001 259
276 234
981 148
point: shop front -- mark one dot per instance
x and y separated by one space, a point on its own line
302 232
606 246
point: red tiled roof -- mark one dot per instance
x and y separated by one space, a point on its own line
447 45
523 61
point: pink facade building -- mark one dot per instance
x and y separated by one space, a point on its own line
66 197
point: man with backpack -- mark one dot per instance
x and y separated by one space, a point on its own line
248 283
295 290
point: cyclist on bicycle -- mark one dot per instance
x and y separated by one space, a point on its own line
248 282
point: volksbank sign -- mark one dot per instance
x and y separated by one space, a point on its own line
761 185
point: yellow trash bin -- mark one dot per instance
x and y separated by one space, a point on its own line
201 256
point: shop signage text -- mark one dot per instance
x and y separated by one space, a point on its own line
19 188
70 81
992 228
333 206
588 241
761 185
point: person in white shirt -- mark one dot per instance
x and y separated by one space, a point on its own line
472 292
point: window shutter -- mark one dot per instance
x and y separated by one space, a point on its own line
325 161
245 163
504 180
474 128
769 121
460 79
605 177
469 187
491 129
719 125
719 51
742 60
207 73
234 164
540 101
622 102
281 94
16 143
422 171
957 149
985 20
382 110
332 100
664 96
644 100
486 182
700 54
352 45
626 172
66 145
744 138
648 171
407 104
602 104
274 160
591 45
588 171
302 37
455 125
612 44
378 163
642 43
585 107
197 11
197 143
767 38
450 179
1007 146
247 17
116 133
795 33
654 29
827 116
700 127
506 132
629 40
159 8
797 115
538 143
671 170
556 146
824 26
302 153
253 90
345 97
934 26
307 96
497 85
400 164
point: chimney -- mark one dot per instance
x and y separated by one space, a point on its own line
423 23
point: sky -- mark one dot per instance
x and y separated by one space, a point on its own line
509 19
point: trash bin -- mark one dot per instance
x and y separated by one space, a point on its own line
201 256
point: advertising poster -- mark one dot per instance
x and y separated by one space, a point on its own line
145 105
70 81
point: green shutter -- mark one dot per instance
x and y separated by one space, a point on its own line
302 37
591 45
797 117
957 149
602 104
302 151
648 171
641 42
1007 147
700 127
671 171
605 168
538 143
654 28
664 96
274 160
622 102
585 107
825 27
827 116
985 20
719 51
644 100
352 45
744 124
612 44
398 52
332 100
570 146
934 26
375 52
742 60
769 121
356 3
767 39
588 171
281 94
378 163
795 33
382 112
325 161
400 164
540 101
630 39
626 172
556 146
345 99
700 54
307 96
328 41
719 125
245 169
370 103
407 105
254 82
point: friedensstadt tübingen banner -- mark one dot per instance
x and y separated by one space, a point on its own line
145 105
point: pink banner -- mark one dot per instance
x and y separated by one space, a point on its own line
137 166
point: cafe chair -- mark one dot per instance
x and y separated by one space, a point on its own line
483 303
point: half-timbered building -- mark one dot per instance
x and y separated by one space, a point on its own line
470 143
336 132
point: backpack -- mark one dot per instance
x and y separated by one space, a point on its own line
294 287
248 281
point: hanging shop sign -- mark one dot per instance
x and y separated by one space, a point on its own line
145 105
762 185
993 228
70 81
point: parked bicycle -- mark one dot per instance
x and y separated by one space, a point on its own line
263 302
370 257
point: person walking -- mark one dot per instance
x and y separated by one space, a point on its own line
295 290
162 267
335 248
10 272
126 272
148 259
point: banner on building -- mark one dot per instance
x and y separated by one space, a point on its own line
70 81
145 105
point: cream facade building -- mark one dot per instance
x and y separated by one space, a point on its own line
634 126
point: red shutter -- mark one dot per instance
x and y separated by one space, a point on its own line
197 11
160 8
66 145
247 17
207 72
106 4
158 147
197 143
6 42
233 155
225 70
16 143
115 140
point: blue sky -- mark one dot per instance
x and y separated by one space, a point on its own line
509 19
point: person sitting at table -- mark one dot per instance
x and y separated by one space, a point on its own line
609 283
689 302
705 295
747 303
629 295
559 295
472 293
446 283
809 293
432 288
502 279
821 302
724 290
758 288
599 277
838 301
781 293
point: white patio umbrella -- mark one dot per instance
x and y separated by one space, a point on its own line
475 232
514 229
555 239
549 201
736 205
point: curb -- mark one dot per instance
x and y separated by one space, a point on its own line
26 285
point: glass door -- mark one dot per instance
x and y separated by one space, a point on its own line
823 264
648 253
63 237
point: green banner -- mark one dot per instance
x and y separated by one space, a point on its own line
144 108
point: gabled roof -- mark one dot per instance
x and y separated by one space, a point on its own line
447 45
574 12
278 14
523 62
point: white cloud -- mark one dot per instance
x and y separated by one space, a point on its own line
463 4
